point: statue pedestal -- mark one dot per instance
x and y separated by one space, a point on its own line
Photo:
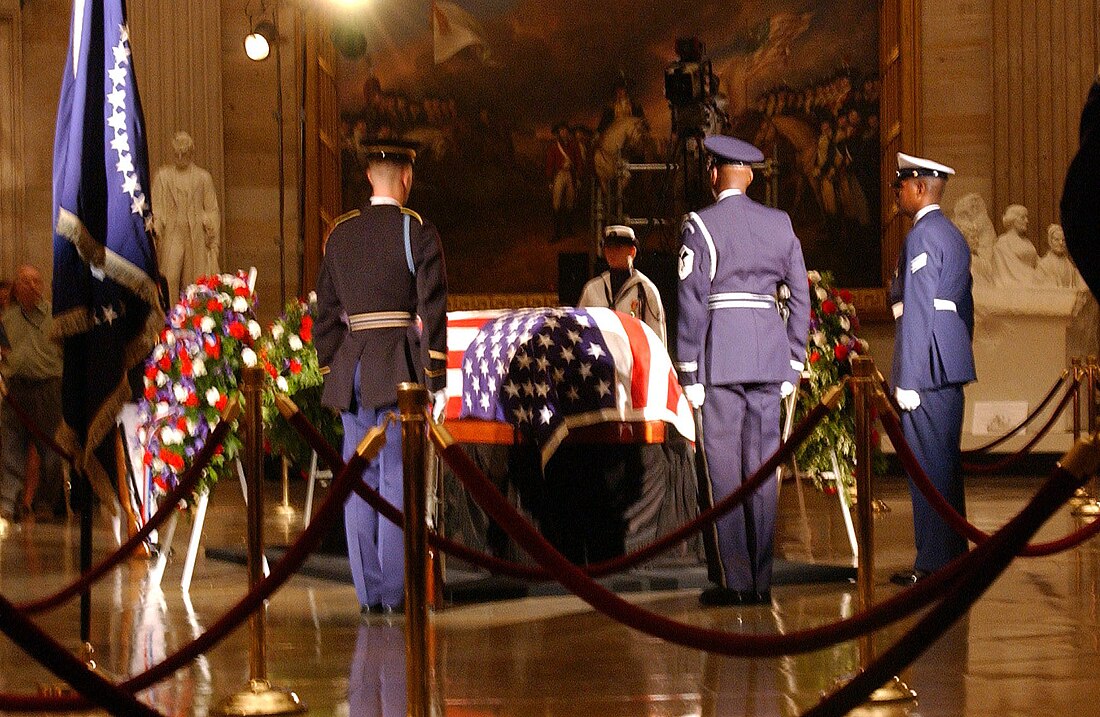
1024 338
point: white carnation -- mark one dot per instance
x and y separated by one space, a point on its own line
225 298
240 304
819 338
312 298
813 276
158 352
207 324
179 392
821 293
198 367
212 396
254 329
162 378
295 342
170 339
864 347
277 331
844 339
281 383
248 357
844 323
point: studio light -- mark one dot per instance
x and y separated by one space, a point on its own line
257 45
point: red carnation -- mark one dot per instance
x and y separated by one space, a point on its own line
241 291
219 450
214 348
150 371
150 393
213 305
185 364
181 423
828 306
270 368
196 321
841 352
220 405
845 295
815 356
147 458
165 363
237 330
295 366
306 330
192 400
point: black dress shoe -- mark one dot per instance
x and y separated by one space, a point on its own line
398 609
375 609
763 597
908 578
718 596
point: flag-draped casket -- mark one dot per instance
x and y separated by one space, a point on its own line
548 372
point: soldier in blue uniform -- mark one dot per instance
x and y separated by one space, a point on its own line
933 359
735 353
383 267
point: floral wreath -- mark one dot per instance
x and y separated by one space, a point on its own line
190 376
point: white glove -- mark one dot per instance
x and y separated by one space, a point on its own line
908 400
786 389
695 394
439 405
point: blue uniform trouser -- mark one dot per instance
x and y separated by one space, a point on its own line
741 429
376 547
933 430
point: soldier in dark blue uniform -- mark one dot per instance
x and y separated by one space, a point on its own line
735 352
383 267
933 359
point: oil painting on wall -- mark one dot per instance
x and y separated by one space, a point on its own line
524 109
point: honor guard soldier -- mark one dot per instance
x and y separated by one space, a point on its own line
383 267
622 287
735 352
933 359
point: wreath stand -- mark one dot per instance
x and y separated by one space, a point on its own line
156 573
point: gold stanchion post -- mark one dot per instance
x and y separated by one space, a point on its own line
1089 506
864 386
259 697
413 399
285 509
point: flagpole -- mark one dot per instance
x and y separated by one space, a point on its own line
282 160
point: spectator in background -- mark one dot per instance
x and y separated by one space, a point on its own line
32 370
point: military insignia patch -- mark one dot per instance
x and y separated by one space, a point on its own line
687 262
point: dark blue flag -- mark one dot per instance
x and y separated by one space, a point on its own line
105 303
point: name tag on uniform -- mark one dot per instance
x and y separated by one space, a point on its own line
918 262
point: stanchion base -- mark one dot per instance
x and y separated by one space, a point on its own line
1080 497
260 698
286 511
1088 509
893 691
878 505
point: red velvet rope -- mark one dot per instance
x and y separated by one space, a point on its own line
607 602
525 572
46 651
37 432
1015 457
1001 549
959 523
186 483
1027 421
280 571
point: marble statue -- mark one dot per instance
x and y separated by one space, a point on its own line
185 218
1014 256
972 219
1055 267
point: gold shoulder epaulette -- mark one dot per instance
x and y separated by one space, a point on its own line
411 213
345 216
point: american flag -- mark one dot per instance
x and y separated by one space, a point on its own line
551 369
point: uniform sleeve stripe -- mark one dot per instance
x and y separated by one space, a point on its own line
710 242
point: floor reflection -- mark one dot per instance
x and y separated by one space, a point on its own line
1030 646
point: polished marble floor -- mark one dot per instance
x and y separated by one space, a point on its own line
1030 647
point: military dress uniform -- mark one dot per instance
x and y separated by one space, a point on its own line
731 338
934 308
382 268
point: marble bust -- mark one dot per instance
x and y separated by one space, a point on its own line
1014 256
1055 267
972 218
